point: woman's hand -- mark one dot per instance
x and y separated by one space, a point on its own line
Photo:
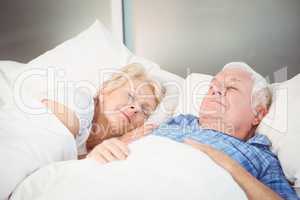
109 150
138 133
100 126
116 148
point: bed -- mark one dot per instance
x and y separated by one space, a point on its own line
40 162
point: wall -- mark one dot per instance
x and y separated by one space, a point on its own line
29 28
203 35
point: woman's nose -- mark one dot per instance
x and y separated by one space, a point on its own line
133 109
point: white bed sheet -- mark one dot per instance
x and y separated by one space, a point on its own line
157 168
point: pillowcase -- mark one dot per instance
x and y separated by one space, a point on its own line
9 71
27 143
83 56
88 60
173 85
280 125
195 88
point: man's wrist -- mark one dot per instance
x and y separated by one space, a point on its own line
234 169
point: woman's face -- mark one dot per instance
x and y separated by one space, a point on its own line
128 106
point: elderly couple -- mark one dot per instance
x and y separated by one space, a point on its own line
238 98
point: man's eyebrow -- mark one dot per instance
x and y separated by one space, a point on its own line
234 79
214 79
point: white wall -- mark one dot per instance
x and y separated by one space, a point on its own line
203 35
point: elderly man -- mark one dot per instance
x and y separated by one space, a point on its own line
237 101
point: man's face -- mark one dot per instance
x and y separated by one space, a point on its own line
228 103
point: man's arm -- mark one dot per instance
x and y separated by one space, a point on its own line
254 189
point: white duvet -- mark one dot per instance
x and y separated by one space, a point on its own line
28 142
157 168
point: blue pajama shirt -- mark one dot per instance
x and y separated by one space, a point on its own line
254 155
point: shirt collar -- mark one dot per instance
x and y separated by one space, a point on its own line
260 140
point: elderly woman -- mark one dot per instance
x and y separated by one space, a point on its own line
120 108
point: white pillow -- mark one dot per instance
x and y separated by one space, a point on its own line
85 60
82 56
28 142
173 85
280 125
195 88
9 71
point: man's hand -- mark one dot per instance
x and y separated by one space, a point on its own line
138 133
109 150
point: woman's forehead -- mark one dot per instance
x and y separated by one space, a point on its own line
139 87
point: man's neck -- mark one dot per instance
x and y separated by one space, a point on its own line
227 128
217 125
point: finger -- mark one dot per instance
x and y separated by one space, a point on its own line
117 151
100 159
106 154
97 157
148 128
123 146
151 125
125 138
141 133
147 131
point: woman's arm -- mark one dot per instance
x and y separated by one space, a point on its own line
254 189
64 114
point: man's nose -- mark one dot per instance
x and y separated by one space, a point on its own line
217 91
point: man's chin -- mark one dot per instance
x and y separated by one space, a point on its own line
210 114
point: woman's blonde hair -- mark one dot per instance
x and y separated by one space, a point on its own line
134 71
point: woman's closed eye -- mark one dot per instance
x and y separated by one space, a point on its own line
146 110
131 97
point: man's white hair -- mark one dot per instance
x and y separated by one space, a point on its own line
261 94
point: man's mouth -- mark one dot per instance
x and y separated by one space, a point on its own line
126 116
218 102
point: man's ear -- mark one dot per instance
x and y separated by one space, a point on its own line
260 111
